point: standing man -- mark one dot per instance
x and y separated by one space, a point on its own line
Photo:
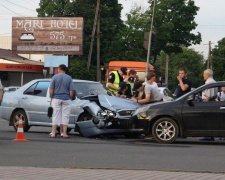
184 85
209 94
115 78
61 94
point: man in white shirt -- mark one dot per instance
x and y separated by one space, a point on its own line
152 93
209 94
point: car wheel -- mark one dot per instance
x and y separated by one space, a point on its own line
85 117
165 130
16 117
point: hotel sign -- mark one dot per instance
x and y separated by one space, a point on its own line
44 35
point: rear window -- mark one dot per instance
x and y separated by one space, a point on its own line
38 89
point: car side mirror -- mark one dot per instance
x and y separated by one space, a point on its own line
190 100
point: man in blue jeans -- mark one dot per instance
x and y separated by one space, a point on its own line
61 94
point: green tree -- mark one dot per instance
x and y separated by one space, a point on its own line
111 23
173 25
190 59
218 59
78 70
131 37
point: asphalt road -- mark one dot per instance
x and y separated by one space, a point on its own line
113 152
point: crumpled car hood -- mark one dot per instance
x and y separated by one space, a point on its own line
114 103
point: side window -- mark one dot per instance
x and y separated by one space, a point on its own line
30 90
41 89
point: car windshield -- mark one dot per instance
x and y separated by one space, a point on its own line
88 88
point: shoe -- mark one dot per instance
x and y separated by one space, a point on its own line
207 139
61 134
51 135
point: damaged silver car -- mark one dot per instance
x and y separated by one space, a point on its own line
93 111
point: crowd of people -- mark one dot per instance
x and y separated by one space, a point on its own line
132 88
148 92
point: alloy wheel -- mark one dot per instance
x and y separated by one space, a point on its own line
165 131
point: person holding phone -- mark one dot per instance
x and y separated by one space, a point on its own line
184 85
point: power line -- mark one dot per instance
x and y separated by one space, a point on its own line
11 10
212 25
35 1
20 5
30 3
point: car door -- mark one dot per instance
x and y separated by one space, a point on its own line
35 101
200 117
221 116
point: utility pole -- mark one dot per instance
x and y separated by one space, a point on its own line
93 35
98 49
209 61
150 38
210 55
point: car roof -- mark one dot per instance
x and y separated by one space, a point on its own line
74 80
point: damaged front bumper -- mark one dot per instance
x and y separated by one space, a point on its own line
100 126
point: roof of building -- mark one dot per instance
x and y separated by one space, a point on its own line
8 55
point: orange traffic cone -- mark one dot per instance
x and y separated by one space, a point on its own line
20 133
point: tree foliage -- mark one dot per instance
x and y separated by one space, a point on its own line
218 59
78 70
173 25
189 59
131 37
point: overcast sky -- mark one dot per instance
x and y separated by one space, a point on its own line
210 18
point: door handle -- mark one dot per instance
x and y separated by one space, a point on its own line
24 97
222 108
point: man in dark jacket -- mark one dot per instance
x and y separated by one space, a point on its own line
184 85
124 90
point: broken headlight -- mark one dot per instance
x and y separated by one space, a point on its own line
107 113
143 115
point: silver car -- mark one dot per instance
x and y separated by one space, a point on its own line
93 111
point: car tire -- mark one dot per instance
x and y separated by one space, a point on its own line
165 130
85 117
16 118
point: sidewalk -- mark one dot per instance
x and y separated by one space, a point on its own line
32 173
